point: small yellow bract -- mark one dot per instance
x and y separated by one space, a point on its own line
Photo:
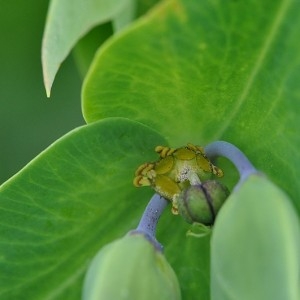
176 169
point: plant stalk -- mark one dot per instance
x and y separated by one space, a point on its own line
150 217
235 155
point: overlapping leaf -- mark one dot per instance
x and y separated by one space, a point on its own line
199 71
57 212
74 198
195 71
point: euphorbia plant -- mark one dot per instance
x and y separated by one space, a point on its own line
185 72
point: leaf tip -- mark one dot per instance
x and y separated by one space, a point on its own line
48 92
47 81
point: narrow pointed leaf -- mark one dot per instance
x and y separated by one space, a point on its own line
68 21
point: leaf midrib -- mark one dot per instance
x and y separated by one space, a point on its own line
282 11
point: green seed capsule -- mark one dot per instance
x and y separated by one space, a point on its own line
130 268
201 203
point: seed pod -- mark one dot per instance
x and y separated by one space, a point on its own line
201 203
130 268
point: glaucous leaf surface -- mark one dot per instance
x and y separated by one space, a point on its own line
255 251
199 71
68 21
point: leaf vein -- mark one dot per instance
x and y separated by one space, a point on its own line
282 10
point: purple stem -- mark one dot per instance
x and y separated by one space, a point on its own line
152 214
235 155
150 217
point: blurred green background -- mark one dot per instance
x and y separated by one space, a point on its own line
29 121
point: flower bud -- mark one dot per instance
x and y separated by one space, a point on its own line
130 268
200 203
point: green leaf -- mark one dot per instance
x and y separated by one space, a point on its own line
256 245
189 256
74 198
144 5
68 202
68 21
86 47
199 71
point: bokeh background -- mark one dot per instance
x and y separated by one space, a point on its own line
29 121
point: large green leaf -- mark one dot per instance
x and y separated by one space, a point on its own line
256 245
70 200
199 71
68 21
74 198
